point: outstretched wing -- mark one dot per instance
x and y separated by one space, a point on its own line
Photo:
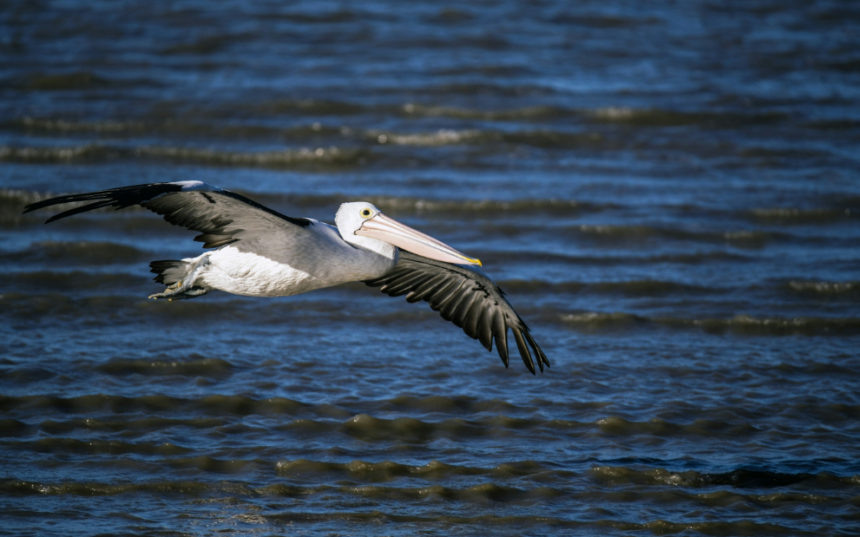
222 217
467 298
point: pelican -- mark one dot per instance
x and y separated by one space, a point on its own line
259 252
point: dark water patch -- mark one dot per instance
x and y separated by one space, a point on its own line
310 107
742 478
26 374
502 70
194 366
530 113
599 20
97 447
813 370
334 16
549 139
77 80
11 427
775 157
218 466
205 45
794 216
521 90
833 124
447 405
740 324
76 253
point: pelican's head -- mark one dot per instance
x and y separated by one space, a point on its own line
362 224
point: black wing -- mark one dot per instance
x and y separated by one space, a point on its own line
467 298
221 216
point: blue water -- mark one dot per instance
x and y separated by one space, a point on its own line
668 193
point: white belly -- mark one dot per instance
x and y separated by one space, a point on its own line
249 274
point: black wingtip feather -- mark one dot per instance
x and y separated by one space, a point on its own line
541 357
501 337
524 350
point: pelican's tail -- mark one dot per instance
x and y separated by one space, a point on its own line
170 272
179 278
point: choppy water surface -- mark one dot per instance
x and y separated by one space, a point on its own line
668 192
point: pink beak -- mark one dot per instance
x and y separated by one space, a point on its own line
388 230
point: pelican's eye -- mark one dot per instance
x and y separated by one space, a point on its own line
365 213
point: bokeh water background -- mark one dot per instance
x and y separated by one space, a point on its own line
668 192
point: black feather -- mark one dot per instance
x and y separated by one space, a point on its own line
467 298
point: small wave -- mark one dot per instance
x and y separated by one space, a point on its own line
694 258
66 126
113 447
418 205
740 478
15 200
155 423
48 155
447 405
825 288
591 321
654 117
214 404
793 216
77 280
740 324
438 138
388 470
194 365
505 523
287 158
172 127
615 234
